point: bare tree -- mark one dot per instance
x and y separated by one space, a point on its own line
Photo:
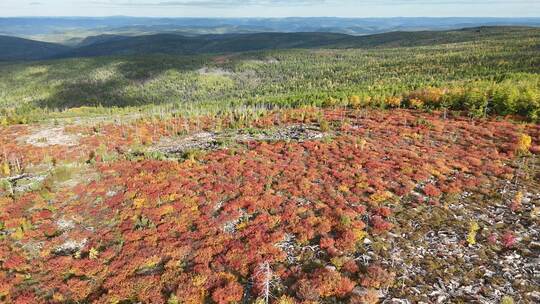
265 279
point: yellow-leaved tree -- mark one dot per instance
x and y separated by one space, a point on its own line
524 144
6 171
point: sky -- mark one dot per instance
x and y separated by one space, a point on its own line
273 8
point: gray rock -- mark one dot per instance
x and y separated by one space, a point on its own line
70 247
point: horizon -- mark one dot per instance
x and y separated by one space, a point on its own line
263 17
269 151
272 9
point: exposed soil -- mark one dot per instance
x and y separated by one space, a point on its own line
51 136
216 140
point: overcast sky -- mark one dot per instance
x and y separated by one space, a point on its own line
272 8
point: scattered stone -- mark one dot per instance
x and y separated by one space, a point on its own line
535 245
70 247
212 140
65 225
151 269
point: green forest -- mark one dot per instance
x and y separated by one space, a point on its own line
494 73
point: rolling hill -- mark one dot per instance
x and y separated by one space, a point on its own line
174 44
231 43
228 43
424 38
58 28
285 76
13 48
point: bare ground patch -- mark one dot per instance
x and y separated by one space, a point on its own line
214 71
51 136
215 140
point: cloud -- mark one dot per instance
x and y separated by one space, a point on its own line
213 3
226 3
273 8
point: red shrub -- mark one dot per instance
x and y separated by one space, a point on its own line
326 242
306 291
380 225
431 190
230 293
508 239
377 277
351 266
492 238
383 211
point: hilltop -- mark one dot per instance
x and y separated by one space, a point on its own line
175 44
14 48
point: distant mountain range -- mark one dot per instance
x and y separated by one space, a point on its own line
12 48
74 29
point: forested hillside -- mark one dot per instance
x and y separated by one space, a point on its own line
229 43
176 44
13 48
181 45
497 73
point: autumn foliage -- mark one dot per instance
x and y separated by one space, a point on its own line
158 231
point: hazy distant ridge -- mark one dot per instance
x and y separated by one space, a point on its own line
29 26
115 45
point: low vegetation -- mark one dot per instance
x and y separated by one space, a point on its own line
398 174
265 219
